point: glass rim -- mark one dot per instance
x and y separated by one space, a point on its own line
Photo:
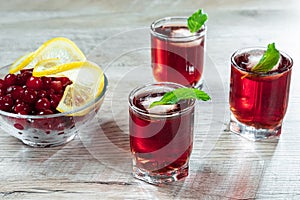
168 20
271 73
158 115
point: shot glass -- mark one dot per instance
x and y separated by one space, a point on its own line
161 138
177 55
258 101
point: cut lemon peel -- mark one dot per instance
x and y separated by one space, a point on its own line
59 48
40 71
67 45
21 62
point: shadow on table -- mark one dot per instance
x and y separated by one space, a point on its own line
215 180
108 143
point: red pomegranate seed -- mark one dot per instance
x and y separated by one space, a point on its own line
9 89
42 94
47 82
45 112
23 77
57 86
64 80
22 108
10 79
6 103
17 92
18 101
35 83
29 96
2 84
54 100
19 126
26 70
2 92
42 104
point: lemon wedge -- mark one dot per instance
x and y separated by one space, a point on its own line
60 49
87 78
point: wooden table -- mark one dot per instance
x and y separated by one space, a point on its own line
97 164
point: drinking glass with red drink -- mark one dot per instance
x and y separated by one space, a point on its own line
161 138
258 100
177 54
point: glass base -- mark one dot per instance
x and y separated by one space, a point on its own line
47 144
161 178
253 134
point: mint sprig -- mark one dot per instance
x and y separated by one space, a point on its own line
268 60
176 95
196 21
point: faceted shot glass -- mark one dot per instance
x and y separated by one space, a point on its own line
161 138
258 101
177 55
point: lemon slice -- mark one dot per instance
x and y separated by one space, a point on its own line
48 63
88 83
21 62
61 49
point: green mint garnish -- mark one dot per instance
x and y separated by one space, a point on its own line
196 21
176 95
268 60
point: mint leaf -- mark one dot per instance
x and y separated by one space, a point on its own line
176 95
268 60
196 21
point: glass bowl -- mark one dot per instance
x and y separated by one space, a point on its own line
49 130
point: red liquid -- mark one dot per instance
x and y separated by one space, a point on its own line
259 101
179 62
161 144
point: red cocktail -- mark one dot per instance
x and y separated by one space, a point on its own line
177 54
258 101
161 138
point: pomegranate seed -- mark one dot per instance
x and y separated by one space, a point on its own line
42 104
17 92
18 126
45 112
10 79
2 92
64 80
18 101
50 92
9 89
6 103
8 95
42 94
47 82
26 70
2 84
22 108
22 78
29 96
54 100
35 83
57 86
